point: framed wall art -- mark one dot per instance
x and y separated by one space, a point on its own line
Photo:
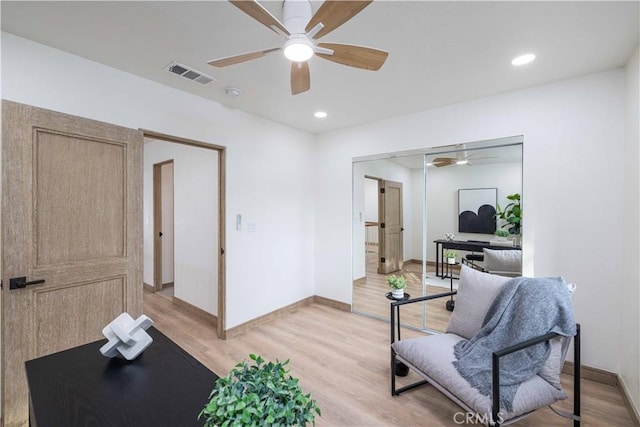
477 210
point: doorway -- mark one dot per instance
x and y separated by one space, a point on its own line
185 179
163 224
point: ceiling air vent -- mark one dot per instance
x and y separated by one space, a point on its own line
189 73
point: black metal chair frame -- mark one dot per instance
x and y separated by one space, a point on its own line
471 259
495 403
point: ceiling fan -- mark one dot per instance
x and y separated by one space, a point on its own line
300 29
461 158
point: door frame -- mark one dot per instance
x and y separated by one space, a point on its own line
157 225
222 151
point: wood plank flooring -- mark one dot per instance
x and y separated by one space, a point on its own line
342 359
368 297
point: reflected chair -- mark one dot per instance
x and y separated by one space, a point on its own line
503 262
473 260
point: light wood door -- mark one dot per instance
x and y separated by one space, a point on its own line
72 216
391 227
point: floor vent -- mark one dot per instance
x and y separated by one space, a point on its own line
189 73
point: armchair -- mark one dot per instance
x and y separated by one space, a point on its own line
491 394
504 262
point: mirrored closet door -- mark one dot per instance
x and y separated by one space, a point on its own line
404 203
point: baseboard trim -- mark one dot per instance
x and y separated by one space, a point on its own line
266 318
608 378
332 303
147 287
360 281
593 374
195 310
631 409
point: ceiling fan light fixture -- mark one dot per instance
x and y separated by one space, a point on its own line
298 49
523 59
462 162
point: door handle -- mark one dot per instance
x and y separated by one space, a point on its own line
21 282
160 234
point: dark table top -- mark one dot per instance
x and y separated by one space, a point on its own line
165 386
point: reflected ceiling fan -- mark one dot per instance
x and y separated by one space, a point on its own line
300 29
461 158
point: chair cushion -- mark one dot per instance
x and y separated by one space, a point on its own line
476 292
503 260
433 356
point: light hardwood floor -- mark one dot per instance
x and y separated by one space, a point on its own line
342 359
368 297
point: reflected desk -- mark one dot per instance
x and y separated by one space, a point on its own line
461 245
165 386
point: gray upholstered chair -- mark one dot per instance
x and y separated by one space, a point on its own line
437 358
503 262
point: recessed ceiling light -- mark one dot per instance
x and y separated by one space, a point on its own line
320 114
523 59
462 162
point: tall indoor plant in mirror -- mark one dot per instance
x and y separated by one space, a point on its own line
511 215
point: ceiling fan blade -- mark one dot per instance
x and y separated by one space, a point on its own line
443 161
334 13
260 14
355 56
236 59
300 79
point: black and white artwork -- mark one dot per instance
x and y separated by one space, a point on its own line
477 210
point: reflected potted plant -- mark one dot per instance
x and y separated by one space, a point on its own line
450 256
501 234
397 285
511 215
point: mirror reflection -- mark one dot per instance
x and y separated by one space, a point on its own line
419 216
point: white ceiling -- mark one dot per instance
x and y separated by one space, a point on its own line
440 52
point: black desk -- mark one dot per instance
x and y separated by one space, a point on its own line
461 245
165 386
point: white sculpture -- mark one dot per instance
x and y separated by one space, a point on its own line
450 236
126 336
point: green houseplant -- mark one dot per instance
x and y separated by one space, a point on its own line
450 255
511 214
397 285
501 233
259 394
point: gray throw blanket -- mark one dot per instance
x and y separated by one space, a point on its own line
523 309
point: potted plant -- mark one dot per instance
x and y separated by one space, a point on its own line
259 394
397 285
511 215
501 234
450 256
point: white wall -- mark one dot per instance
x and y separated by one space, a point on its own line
195 180
630 297
370 200
442 196
269 166
573 139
